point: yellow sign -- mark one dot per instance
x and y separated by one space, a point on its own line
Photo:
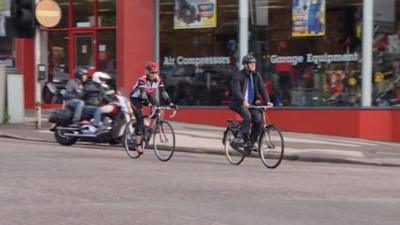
48 13
379 77
195 14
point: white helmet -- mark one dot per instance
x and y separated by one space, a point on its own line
99 76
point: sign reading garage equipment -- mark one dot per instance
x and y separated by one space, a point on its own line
316 59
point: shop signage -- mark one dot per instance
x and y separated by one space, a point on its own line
7 60
316 59
48 13
180 60
195 14
308 18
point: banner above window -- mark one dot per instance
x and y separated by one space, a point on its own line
308 18
195 14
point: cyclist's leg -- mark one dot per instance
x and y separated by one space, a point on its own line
245 128
256 119
137 112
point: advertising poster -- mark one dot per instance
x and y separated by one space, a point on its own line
195 14
308 18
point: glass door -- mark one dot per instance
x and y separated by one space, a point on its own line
84 50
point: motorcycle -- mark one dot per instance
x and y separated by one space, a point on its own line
115 116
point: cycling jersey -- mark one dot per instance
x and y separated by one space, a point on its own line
147 85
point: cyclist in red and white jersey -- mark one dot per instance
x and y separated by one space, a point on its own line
143 93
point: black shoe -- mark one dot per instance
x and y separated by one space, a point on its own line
248 150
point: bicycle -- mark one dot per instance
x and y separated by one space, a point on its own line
154 126
270 142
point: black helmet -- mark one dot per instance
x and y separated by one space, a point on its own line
80 72
248 59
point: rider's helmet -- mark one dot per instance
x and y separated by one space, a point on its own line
80 73
248 59
152 67
98 77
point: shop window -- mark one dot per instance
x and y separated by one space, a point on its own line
64 12
386 54
106 60
83 13
198 45
106 13
309 51
58 66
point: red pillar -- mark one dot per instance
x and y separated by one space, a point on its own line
25 63
135 40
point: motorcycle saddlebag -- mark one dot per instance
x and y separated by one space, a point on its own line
62 117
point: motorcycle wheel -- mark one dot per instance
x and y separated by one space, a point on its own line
62 139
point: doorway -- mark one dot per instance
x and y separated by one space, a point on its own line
84 50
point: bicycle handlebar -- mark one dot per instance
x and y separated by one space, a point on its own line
262 107
161 108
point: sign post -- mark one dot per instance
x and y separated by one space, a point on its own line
48 14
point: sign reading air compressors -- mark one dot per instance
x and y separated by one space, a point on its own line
48 13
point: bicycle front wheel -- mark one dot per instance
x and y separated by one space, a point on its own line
271 147
129 140
233 156
164 140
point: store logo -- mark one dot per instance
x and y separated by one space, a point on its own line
180 60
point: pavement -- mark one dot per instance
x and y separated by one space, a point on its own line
206 139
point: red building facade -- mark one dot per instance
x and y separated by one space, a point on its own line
135 43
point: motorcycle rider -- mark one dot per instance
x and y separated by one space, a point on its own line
73 94
142 93
94 94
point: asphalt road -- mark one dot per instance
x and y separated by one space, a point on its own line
48 184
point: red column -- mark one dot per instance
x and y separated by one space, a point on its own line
25 63
135 40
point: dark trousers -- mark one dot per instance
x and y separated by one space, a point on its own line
249 116
137 112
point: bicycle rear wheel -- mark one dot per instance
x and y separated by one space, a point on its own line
164 141
271 147
233 156
129 141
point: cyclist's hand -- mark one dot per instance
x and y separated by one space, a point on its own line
258 102
270 104
246 104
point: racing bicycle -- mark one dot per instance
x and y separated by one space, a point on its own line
157 132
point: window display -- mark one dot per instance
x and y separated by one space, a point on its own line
198 56
308 51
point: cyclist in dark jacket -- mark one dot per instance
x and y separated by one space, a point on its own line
246 88
73 94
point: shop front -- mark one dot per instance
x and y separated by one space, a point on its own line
309 54
84 38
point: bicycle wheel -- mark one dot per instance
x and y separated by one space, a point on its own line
129 140
233 156
164 140
271 146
